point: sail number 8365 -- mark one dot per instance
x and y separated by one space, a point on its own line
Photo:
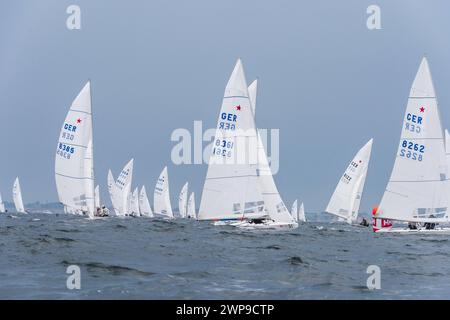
223 147
64 150
412 150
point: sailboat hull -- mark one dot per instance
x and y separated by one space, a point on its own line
269 225
443 231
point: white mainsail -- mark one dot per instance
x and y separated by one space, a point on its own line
112 192
122 189
231 190
161 195
135 202
346 198
97 197
144 204
182 200
74 164
301 213
17 197
191 207
447 151
417 190
274 205
294 210
2 205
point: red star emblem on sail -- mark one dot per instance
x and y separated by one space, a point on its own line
78 120
422 109
238 108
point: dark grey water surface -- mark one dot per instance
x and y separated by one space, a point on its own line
184 259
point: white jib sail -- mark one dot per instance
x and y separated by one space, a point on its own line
182 200
418 187
161 195
294 210
191 206
17 197
231 190
273 203
144 204
2 205
346 198
135 202
97 196
74 164
122 189
301 213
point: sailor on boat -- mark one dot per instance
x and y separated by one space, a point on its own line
102 212
412 226
364 223
430 225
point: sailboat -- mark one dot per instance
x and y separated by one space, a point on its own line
2 205
17 197
418 189
191 207
231 190
345 201
301 214
279 216
74 165
144 204
161 196
294 211
120 190
112 192
182 201
134 208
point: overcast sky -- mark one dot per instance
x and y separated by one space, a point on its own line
326 81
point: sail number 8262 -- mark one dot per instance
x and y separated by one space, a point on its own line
412 150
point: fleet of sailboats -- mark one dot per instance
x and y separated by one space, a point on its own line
239 189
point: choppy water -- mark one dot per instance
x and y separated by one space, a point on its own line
182 259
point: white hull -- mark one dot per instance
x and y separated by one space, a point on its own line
438 230
267 225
